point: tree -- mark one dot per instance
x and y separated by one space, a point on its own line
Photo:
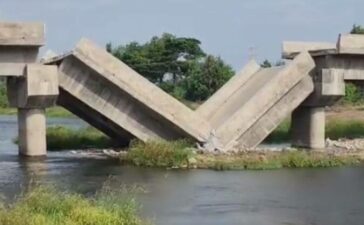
163 55
357 29
177 64
266 64
205 78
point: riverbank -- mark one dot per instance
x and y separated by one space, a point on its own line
178 155
56 111
47 206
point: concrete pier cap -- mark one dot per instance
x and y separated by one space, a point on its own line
31 87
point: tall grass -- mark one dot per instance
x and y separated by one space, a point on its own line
159 154
60 138
47 206
274 160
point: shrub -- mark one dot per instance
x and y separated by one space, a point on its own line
59 138
47 206
159 153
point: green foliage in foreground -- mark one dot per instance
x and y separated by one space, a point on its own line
159 154
59 138
46 206
334 131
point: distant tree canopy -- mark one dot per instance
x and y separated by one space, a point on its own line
266 63
176 64
357 29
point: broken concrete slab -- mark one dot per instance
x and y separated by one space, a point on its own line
130 102
266 97
276 115
228 98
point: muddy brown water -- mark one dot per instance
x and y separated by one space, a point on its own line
285 197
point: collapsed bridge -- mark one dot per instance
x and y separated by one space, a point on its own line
109 95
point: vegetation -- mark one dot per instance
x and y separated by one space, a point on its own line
179 154
177 64
357 29
353 95
159 154
59 138
3 95
274 160
47 206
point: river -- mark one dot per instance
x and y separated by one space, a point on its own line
278 197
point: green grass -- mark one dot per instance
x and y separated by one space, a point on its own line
334 130
179 154
159 154
50 112
60 138
47 206
275 160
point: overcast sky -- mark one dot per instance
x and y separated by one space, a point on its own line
228 28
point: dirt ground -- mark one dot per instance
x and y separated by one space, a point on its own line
352 113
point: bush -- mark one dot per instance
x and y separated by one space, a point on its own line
47 206
3 95
59 138
352 94
159 154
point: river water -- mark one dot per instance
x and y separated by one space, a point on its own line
201 197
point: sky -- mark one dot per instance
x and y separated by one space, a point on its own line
232 29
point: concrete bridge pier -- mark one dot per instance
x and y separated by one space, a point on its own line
308 127
32 132
31 87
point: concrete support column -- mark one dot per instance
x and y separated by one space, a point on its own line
308 127
32 132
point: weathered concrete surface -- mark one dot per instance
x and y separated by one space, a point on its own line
12 69
32 132
308 128
351 44
138 108
22 34
227 99
329 87
262 97
290 49
276 115
28 85
38 88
